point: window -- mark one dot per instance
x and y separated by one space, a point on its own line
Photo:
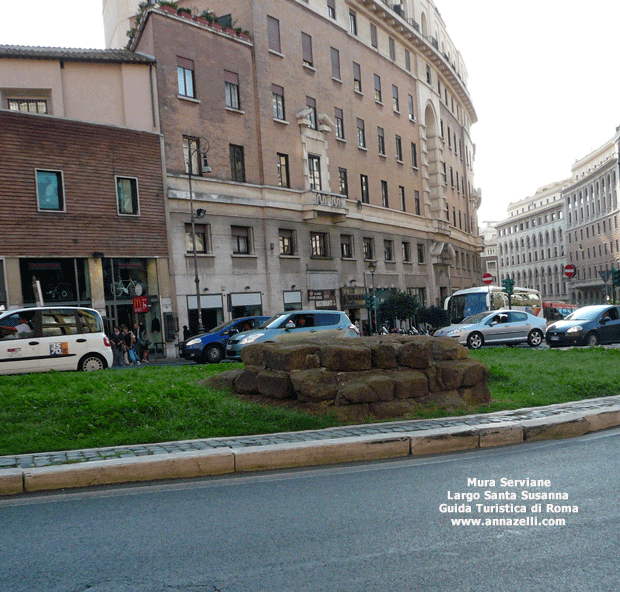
407 60
416 199
414 155
352 22
237 163
361 133
27 105
406 252
306 47
388 250
399 149
287 242
314 172
277 93
429 78
339 123
231 82
346 246
127 195
310 102
273 34
373 36
364 189
319 244
421 256
395 101
381 141
50 191
385 202
378 88
369 248
401 195
357 78
203 238
185 75
191 154
343 184
335 63
283 173
392 46
410 106
331 9
240 240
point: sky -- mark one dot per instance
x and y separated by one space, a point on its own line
542 78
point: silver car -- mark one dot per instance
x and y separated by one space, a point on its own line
497 327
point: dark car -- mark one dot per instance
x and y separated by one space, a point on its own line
210 347
589 325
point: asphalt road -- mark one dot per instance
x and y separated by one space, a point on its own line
367 527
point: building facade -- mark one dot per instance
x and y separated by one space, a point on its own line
82 210
339 153
592 235
531 243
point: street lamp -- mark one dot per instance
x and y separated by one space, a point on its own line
372 267
198 149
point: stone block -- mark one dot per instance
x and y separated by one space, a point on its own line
291 357
11 481
476 395
410 384
384 355
246 383
445 348
444 399
254 355
415 354
276 385
318 384
345 357
224 380
392 409
369 389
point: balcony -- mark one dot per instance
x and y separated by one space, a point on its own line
317 204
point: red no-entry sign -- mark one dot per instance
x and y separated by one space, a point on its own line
487 279
569 270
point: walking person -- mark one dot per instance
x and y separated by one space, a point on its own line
142 342
129 346
117 346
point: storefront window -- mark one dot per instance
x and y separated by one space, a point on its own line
62 280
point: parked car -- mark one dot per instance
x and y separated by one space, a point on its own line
292 324
53 338
589 325
497 327
210 347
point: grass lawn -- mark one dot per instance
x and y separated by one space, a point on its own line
64 411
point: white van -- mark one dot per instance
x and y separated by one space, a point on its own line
53 338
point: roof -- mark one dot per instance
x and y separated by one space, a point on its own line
74 54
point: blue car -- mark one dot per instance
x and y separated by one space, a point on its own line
210 347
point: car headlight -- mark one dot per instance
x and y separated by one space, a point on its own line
251 338
575 329
193 343
453 333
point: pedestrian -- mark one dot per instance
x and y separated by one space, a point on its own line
142 343
186 333
117 346
130 355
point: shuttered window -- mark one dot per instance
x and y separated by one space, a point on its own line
273 33
306 46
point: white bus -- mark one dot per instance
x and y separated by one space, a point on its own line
464 303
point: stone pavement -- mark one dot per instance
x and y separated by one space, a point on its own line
216 456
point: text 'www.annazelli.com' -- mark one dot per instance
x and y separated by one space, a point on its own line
529 521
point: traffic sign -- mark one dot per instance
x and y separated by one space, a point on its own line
569 270
487 279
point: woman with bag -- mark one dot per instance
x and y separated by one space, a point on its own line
130 351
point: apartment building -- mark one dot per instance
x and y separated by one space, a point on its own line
313 150
531 242
82 208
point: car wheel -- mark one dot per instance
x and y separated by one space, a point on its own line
535 338
475 341
212 354
92 362
591 339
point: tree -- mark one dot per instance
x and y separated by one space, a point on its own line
434 316
398 306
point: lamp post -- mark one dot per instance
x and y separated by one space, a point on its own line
372 267
199 150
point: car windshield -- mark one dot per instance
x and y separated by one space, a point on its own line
221 326
584 314
274 321
474 319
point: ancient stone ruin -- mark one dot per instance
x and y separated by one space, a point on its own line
383 376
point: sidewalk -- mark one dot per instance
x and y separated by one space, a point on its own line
217 456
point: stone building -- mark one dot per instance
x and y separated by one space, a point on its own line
591 203
531 243
339 156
